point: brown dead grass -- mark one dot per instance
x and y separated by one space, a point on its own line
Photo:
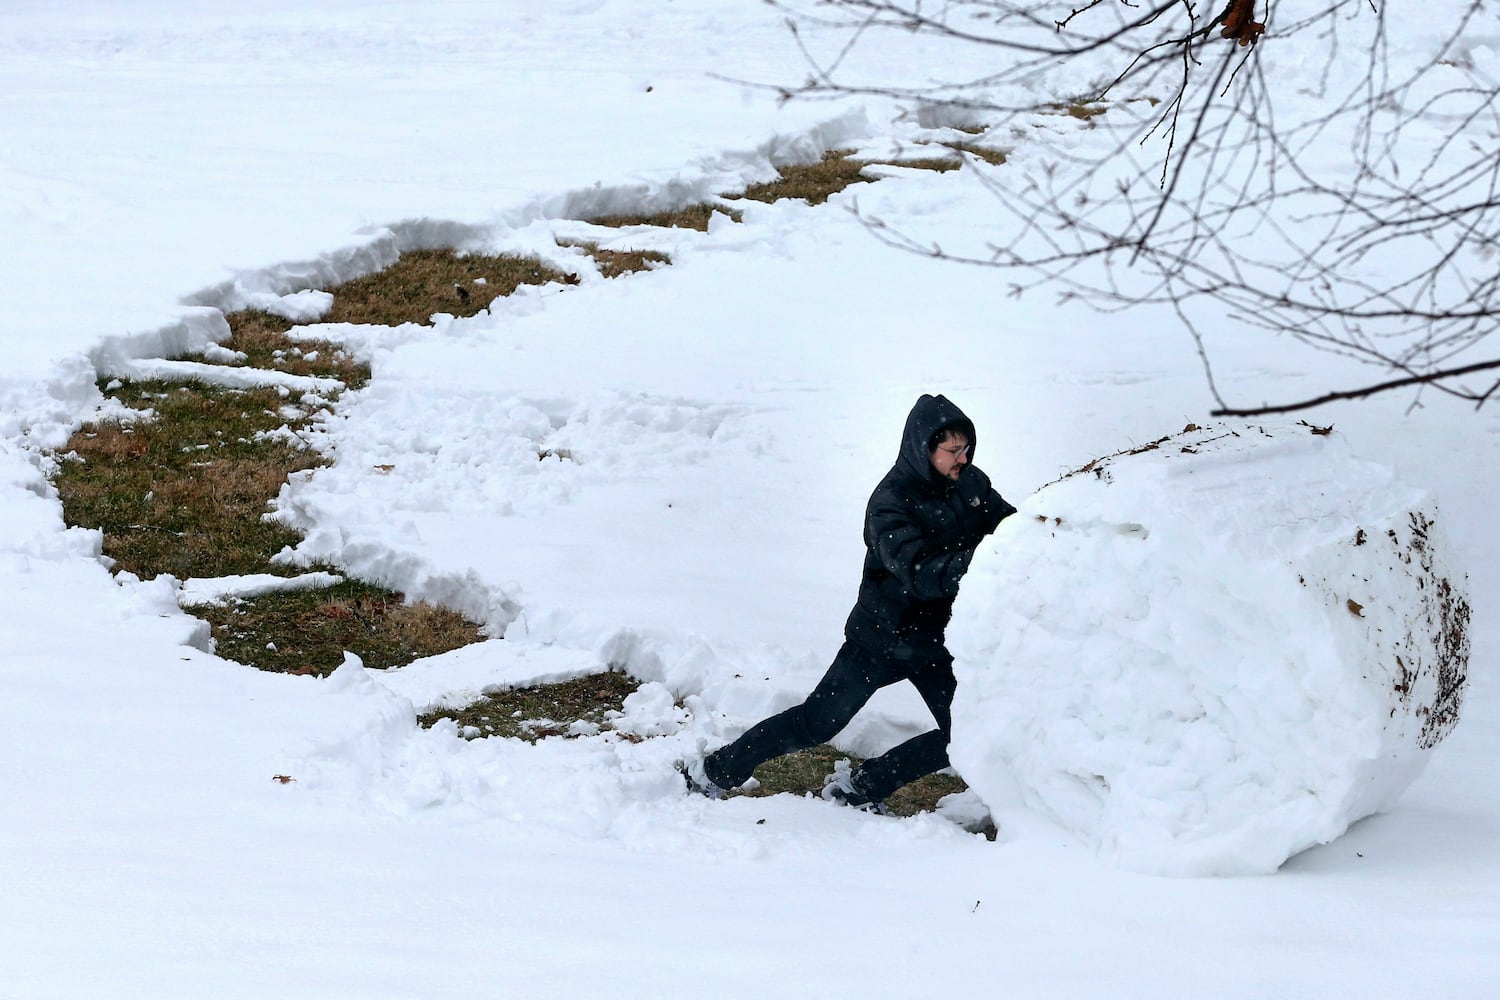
989 154
837 170
690 217
813 183
1081 109
616 263
936 164
423 283
307 631
262 338
538 711
183 490
803 773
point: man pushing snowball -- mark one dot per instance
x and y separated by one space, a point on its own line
922 524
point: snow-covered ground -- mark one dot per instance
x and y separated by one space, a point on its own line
727 417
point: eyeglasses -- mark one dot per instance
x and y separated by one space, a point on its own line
959 452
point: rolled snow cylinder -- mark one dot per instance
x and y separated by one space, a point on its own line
1210 652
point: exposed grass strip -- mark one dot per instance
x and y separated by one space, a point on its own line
690 217
1083 110
262 338
813 183
837 170
935 164
425 282
538 711
617 263
989 154
182 490
803 773
307 631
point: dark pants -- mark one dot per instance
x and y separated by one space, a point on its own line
851 680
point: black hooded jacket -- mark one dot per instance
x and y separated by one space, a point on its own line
921 530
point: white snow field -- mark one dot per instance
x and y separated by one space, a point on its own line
726 416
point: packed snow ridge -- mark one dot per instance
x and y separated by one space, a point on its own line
1206 654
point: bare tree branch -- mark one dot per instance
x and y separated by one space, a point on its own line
1427 378
1224 200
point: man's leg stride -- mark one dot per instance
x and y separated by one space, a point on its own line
851 680
921 755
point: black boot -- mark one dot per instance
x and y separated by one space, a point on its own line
697 780
844 787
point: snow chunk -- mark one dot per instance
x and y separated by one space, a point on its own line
1211 652
230 378
219 355
306 306
216 590
649 711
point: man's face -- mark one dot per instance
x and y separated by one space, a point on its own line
951 455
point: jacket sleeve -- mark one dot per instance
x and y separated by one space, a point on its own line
993 508
928 572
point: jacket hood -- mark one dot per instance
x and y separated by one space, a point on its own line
930 415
